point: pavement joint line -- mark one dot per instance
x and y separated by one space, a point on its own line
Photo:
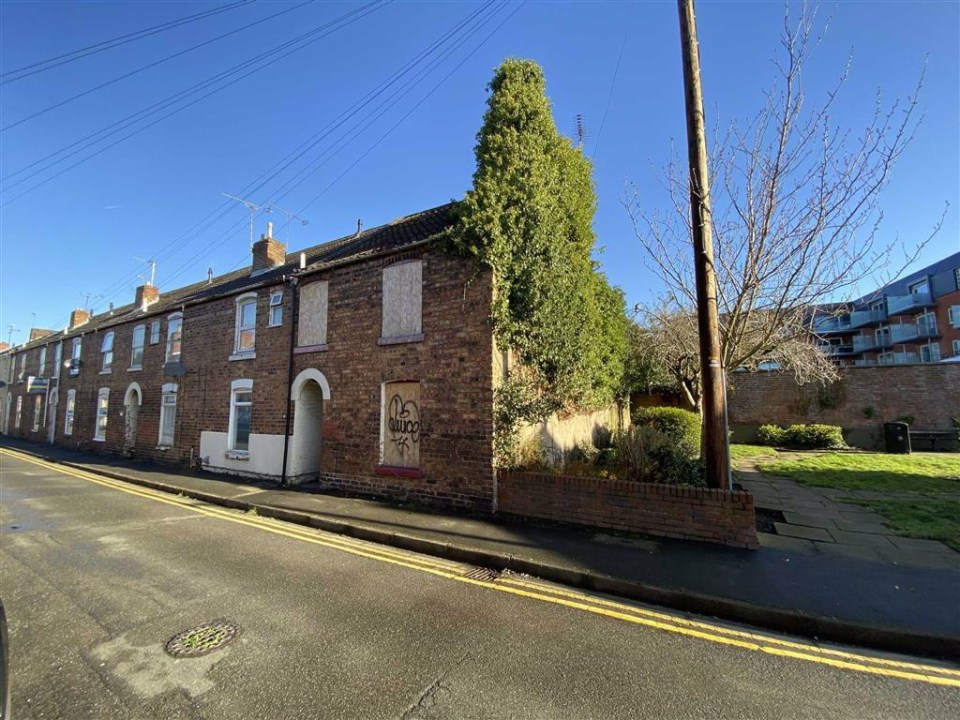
729 631
232 514
710 636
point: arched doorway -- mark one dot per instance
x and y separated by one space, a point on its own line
131 413
309 391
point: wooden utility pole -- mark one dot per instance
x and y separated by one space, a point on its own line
716 451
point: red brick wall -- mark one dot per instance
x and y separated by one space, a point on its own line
947 331
716 516
931 393
453 364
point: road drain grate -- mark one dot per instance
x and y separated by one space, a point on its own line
482 573
202 639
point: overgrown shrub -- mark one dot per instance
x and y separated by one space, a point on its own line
814 436
647 454
770 435
804 437
681 426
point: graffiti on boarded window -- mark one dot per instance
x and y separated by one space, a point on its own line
401 424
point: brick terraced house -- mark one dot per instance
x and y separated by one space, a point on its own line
366 363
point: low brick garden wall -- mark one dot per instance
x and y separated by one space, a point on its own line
717 516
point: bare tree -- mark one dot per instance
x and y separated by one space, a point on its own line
795 222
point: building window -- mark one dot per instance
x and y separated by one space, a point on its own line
927 324
68 415
16 419
956 347
154 332
956 277
400 424
103 403
312 315
22 358
42 365
402 302
930 353
57 359
246 325
106 352
921 287
174 334
276 308
168 414
241 406
75 351
953 315
37 410
136 352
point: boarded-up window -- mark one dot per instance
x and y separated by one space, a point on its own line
400 431
402 291
312 323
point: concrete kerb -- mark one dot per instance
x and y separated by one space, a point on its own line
776 619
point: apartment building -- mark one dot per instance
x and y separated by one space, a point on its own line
913 320
365 363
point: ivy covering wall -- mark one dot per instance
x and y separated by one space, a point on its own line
529 219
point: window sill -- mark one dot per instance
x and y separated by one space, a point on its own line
108 371
400 339
135 369
304 349
164 447
237 455
276 325
398 471
96 439
249 355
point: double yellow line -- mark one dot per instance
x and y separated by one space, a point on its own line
522 587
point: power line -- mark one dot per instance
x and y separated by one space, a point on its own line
414 108
151 65
99 47
613 82
212 246
347 19
265 177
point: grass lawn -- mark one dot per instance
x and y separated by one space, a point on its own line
923 518
744 452
873 471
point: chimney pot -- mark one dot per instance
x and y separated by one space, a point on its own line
359 226
78 317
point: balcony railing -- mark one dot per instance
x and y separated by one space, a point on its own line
905 303
900 358
863 318
862 343
825 326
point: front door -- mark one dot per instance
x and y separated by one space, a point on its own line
130 427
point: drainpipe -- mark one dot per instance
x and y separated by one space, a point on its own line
286 430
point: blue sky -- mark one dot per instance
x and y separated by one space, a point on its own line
152 195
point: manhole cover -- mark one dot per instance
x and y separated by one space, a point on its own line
202 639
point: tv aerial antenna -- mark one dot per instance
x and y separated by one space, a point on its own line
291 216
252 207
153 269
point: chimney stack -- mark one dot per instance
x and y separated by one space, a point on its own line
4 347
78 317
37 333
359 227
268 253
147 295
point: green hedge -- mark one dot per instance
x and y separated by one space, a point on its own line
805 437
681 426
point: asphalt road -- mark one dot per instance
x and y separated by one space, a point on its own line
97 576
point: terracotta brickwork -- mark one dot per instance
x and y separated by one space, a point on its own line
452 363
717 516
865 397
